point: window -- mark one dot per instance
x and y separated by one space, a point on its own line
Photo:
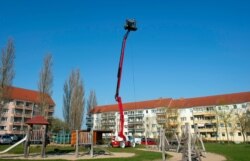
146 111
239 133
231 134
223 134
221 125
183 119
191 118
229 125
238 124
219 108
235 106
243 106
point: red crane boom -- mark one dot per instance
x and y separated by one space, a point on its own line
117 97
129 26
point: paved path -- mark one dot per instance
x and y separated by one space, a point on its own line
71 156
209 157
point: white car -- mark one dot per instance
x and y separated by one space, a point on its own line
5 139
137 140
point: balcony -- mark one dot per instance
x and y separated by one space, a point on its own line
206 130
136 129
172 124
27 115
203 121
18 114
3 123
19 107
204 113
161 121
49 110
135 121
108 123
135 115
17 123
28 108
162 112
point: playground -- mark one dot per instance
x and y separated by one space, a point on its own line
89 144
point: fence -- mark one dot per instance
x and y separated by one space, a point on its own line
61 138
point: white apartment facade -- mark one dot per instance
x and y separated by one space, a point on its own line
141 118
21 106
207 113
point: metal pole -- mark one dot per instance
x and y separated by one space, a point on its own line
77 141
43 141
92 143
26 151
189 142
163 144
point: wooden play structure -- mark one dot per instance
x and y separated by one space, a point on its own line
38 136
192 146
172 141
89 139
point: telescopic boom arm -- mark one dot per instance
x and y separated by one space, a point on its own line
130 26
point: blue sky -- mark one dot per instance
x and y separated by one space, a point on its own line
181 49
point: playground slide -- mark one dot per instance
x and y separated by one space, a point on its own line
13 146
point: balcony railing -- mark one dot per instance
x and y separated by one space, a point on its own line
204 121
161 120
205 113
207 130
17 123
19 107
135 122
136 115
28 107
18 114
108 123
136 129
27 115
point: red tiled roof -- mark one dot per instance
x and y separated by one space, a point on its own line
224 99
26 95
162 102
37 120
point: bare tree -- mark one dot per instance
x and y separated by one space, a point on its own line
45 84
242 119
225 117
92 101
7 72
66 101
74 101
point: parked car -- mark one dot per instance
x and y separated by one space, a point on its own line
13 137
5 139
137 140
148 141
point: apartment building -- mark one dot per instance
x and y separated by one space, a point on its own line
22 105
141 118
217 117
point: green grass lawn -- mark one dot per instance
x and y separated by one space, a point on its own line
233 152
